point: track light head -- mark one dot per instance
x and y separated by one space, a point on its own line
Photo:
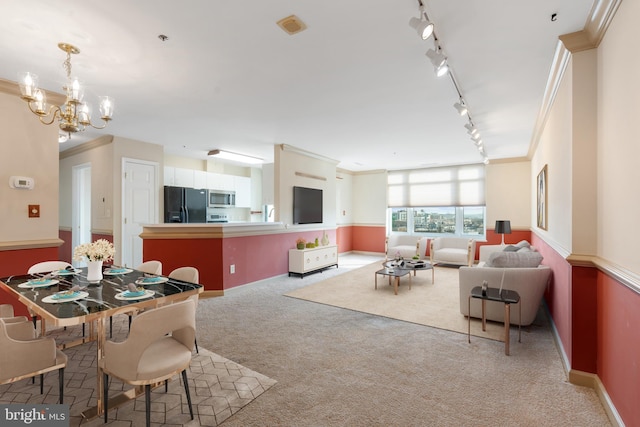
424 27
439 62
471 129
461 107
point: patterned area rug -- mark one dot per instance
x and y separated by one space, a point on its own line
219 387
431 304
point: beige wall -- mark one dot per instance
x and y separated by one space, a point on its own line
508 195
554 150
27 148
344 196
321 173
618 172
370 193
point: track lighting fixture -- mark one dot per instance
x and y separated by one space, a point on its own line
422 25
439 62
471 129
461 107
425 29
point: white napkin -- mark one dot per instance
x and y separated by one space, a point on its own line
132 287
76 288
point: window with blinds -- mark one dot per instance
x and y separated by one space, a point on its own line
444 186
437 201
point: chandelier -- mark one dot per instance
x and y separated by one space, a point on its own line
74 115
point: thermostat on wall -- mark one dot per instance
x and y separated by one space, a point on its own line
21 182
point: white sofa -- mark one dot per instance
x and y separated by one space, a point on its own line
451 250
530 282
404 244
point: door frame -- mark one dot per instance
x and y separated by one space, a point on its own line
78 200
155 209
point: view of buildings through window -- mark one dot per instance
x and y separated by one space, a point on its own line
450 220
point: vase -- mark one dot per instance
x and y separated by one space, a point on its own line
300 245
94 271
325 239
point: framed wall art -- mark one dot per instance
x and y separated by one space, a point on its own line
541 206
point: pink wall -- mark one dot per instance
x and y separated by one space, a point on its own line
618 346
597 318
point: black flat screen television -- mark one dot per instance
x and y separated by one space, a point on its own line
307 205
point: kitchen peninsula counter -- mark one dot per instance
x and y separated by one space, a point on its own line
226 254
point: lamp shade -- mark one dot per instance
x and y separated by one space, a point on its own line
503 227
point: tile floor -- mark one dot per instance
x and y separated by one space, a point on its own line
219 388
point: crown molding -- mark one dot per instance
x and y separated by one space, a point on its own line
599 19
98 142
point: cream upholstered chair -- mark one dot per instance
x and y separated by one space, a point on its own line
191 275
48 267
24 356
158 347
150 267
6 310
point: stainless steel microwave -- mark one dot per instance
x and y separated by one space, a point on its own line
221 199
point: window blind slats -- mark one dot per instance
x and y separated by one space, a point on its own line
444 186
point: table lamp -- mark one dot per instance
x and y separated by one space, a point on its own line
503 227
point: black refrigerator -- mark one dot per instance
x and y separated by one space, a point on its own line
187 205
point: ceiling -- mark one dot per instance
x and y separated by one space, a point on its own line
355 86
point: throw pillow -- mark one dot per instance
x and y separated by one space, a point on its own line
514 259
522 244
510 248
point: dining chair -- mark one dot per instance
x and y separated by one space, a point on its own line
22 355
191 275
48 267
150 267
6 310
158 347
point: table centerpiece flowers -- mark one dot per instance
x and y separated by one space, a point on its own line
95 254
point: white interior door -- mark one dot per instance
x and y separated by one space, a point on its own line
81 206
139 206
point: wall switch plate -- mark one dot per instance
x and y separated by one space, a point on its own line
232 269
34 211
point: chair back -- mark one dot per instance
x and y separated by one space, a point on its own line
6 310
177 321
186 274
48 267
150 267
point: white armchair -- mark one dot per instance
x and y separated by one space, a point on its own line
452 250
405 245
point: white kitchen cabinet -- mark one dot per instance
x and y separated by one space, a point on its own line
309 260
218 181
169 175
242 187
184 177
199 179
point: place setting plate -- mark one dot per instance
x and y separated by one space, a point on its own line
65 272
116 271
37 283
65 296
151 280
136 295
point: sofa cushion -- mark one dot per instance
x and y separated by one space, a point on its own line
514 259
522 244
510 248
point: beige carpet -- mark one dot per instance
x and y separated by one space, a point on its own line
436 305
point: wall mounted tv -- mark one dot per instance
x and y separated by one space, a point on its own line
307 205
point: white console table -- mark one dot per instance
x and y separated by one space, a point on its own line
309 260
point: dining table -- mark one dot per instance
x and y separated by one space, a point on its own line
66 297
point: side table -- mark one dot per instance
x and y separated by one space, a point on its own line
505 296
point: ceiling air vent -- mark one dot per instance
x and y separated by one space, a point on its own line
292 24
